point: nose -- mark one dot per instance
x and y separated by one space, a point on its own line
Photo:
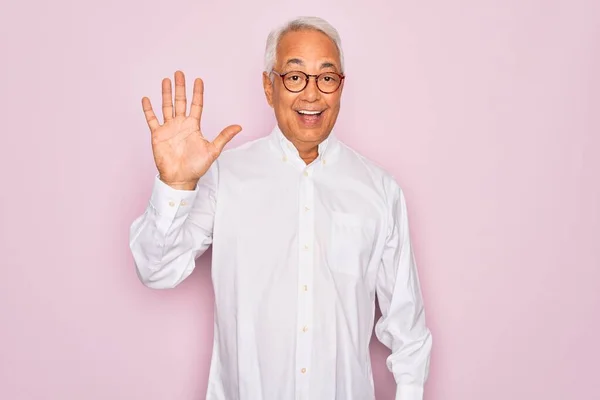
311 92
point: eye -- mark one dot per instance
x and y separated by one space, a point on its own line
329 79
293 77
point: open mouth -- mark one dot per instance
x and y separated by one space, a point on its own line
307 112
309 118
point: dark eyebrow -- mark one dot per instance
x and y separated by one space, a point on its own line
328 65
299 62
296 61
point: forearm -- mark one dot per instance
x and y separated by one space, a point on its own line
409 361
404 331
165 241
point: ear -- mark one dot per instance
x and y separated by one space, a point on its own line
342 86
268 87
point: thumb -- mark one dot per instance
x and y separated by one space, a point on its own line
225 136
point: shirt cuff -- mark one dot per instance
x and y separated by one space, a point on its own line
409 392
169 202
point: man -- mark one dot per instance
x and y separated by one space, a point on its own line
305 233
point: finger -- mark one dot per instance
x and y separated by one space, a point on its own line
167 100
225 136
197 100
180 100
151 119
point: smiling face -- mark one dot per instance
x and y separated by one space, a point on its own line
305 118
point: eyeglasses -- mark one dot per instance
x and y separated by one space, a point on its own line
296 81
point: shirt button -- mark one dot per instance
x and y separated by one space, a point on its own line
305 247
305 287
284 158
305 328
183 202
172 203
305 173
303 370
306 209
324 161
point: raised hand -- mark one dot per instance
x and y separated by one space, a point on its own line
182 155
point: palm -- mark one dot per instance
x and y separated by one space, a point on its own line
181 153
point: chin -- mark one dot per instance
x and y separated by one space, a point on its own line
311 134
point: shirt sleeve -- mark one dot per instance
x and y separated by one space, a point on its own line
174 230
402 326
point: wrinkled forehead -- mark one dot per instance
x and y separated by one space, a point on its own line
307 49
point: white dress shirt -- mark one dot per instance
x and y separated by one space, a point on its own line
299 254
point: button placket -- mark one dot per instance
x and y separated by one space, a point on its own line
305 275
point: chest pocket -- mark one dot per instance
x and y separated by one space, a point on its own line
352 241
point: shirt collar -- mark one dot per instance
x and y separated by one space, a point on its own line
283 144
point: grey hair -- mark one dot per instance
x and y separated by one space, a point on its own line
299 24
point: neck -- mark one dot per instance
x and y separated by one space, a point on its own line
310 155
308 151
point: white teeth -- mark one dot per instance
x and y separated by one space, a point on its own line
306 112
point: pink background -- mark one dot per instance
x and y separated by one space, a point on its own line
486 111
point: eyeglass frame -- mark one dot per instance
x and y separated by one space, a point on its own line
308 76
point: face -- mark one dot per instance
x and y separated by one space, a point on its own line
311 52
